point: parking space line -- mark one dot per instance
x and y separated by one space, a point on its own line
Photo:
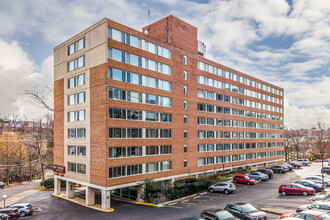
185 200
173 203
196 197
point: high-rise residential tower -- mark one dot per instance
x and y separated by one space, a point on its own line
132 105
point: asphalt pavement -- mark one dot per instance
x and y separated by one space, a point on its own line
12 191
262 195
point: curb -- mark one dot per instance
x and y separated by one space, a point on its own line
147 204
48 189
87 206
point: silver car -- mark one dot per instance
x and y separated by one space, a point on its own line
320 206
24 208
317 179
224 187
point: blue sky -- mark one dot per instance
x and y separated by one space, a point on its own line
286 43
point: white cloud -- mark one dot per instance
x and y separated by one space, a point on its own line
233 31
17 73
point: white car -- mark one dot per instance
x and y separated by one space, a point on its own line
326 176
317 179
320 206
303 161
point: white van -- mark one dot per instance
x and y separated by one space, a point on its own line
303 161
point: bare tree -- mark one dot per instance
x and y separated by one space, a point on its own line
297 139
321 143
41 96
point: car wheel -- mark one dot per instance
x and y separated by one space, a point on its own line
305 193
281 171
235 181
23 214
226 191
211 190
248 182
283 193
326 184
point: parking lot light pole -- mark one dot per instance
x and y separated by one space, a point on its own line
4 200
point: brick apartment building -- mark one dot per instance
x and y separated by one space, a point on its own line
132 105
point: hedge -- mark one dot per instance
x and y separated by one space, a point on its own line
49 183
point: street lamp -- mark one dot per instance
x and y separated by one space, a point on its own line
4 200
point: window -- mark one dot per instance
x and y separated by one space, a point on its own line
185 134
76 46
74 133
164 117
72 150
76 81
185 103
77 168
185 119
76 116
185 75
151 116
185 148
76 98
76 63
185 163
185 90
185 60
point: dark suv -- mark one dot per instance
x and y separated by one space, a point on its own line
246 211
278 169
217 214
269 172
326 170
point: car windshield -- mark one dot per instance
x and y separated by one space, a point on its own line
246 177
248 208
224 215
324 216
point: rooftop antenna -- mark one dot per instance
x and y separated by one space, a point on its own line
148 16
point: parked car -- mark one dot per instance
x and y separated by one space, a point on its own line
269 172
24 208
326 170
291 218
318 161
243 210
310 214
193 218
326 176
317 187
278 169
224 187
241 178
289 167
2 185
295 165
295 189
320 206
217 214
257 175
317 179
304 161
4 216
13 213
320 197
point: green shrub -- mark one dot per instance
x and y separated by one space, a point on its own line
49 183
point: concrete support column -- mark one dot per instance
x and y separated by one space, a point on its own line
57 186
105 199
69 190
90 196
140 191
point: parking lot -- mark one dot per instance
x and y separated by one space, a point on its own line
262 195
